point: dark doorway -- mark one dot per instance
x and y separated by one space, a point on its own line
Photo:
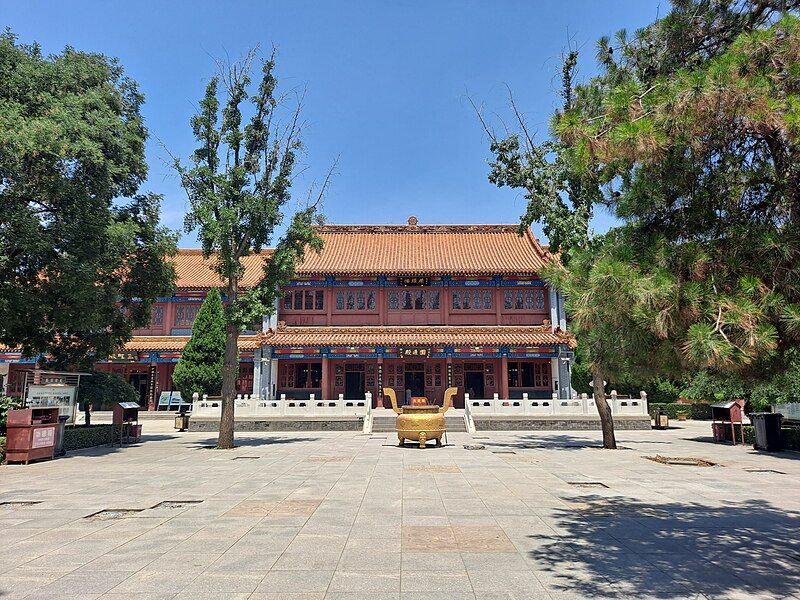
474 384
354 385
139 383
415 379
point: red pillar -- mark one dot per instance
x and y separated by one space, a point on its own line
504 377
326 379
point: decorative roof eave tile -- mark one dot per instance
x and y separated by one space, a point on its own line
193 271
426 250
142 343
158 343
533 335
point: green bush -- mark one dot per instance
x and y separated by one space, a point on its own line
77 437
697 411
662 390
700 411
709 387
200 366
7 403
2 448
103 389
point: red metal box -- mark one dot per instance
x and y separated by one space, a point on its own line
31 434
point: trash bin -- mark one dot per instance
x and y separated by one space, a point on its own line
59 447
768 430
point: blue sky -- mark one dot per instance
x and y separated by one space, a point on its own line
387 85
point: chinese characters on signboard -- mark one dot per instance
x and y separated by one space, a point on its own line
413 281
43 437
418 352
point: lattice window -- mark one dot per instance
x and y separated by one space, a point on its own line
529 374
157 315
487 299
433 300
304 300
523 299
539 302
394 301
186 314
472 300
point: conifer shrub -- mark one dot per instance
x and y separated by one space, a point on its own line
200 366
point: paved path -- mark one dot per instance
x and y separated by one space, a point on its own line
351 516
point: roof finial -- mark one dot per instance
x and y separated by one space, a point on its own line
412 221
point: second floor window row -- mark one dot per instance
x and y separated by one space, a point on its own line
186 314
414 300
304 300
523 300
355 300
472 300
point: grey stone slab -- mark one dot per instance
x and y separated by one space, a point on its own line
295 581
440 581
365 581
88 582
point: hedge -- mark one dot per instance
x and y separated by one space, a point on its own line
2 448
697 411
79 437
790 437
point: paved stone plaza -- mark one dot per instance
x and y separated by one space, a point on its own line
342 515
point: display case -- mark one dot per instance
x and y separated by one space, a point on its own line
125 421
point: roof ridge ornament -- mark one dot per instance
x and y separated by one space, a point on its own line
413 221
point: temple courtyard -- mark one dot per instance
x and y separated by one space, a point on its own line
344 515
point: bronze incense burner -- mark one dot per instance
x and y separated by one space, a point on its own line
421 422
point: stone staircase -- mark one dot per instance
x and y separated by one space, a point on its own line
384 421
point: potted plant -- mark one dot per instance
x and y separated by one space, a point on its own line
682 414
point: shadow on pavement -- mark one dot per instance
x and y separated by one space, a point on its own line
614 547
551 442
251 442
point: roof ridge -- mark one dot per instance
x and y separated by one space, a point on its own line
432 228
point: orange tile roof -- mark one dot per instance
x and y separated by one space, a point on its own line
425 250
177 342
193 271
504 335
392 250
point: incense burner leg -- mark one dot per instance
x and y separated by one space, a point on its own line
422 439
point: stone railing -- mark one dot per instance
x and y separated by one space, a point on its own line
255 407
554 406
790 411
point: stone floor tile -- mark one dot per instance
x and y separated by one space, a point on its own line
208 584
295 581
365 581
89 582
435 581
287 596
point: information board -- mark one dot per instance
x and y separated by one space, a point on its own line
60 395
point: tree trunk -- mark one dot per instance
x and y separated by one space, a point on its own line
606 420
230 371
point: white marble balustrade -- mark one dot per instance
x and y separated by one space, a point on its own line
247 406
554 406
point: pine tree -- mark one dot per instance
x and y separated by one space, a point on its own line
200 367
689 135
